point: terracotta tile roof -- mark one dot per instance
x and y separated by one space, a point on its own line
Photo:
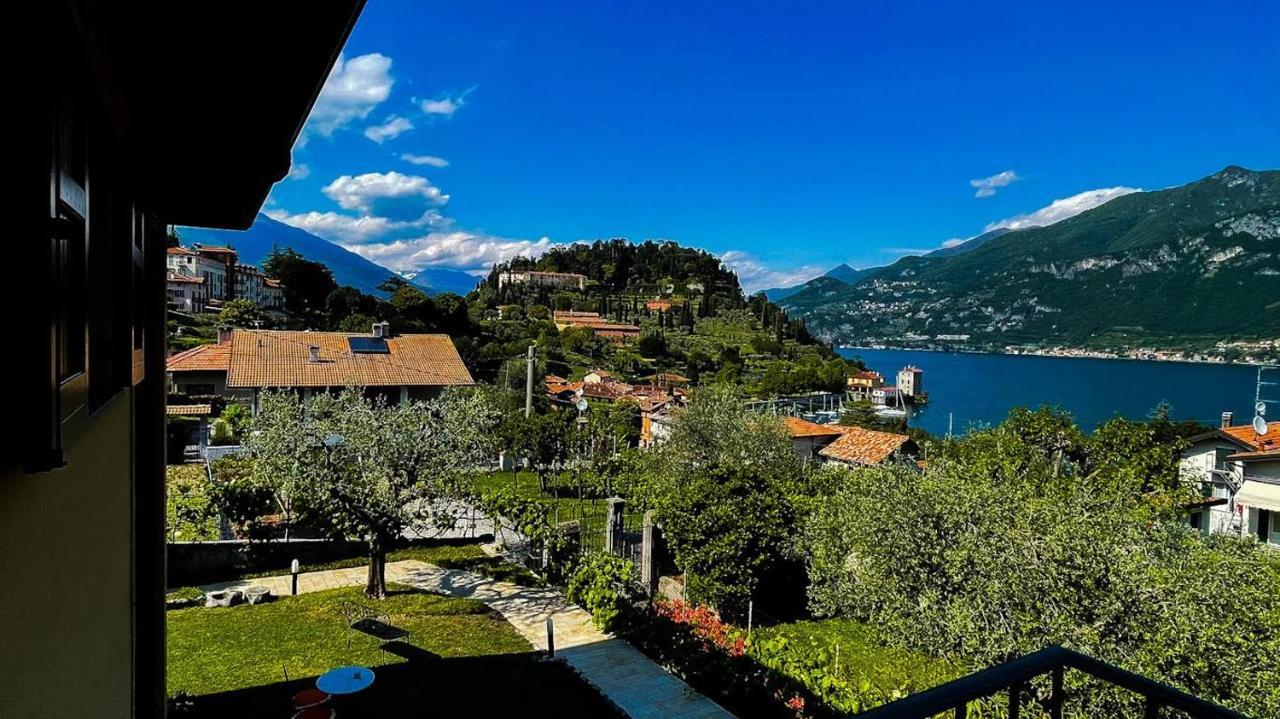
558 388
867 374
185 278
262 358
205 358
605 390
557 379
189 410
1260 456
216 248
272 282
864 446
1259 442
179 251
804 428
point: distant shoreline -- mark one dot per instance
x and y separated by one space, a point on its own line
1050 355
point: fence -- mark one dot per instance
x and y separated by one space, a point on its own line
1015 677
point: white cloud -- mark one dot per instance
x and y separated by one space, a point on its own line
1062 209
955 242
391 129
986 186
391 194
430 160
459 249
354 87
754 275
444 106
347 230
298 171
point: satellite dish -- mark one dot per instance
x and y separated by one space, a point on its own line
1259 426
1261 409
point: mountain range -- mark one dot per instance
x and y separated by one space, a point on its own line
851 276
1198 261
257 242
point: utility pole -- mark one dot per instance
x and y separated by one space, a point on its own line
528 383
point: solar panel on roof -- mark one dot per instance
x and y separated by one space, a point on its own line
368 345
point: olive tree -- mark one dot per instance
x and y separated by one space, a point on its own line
1032 533
374 469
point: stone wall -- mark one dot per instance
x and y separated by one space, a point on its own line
205 562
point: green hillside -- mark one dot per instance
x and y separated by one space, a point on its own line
1169 268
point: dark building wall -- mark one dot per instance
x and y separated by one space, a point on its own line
81 474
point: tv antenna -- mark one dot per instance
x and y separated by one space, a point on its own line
1260 404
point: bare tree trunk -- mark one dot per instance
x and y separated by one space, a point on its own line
376 588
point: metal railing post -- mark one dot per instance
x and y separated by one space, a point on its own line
1015 699
1058 698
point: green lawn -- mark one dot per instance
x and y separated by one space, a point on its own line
458 653
216 650
862 657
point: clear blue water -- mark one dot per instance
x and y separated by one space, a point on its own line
980 389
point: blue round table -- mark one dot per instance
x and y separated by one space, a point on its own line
345 680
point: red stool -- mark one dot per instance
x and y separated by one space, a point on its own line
309 698
316 713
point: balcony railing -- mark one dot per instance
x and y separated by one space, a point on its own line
1015 676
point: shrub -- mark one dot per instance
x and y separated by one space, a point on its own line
238 417
220 433
602 585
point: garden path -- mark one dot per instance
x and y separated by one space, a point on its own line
631 680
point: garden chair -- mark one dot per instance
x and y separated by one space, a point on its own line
367 620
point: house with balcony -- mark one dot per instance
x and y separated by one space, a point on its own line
211 269
186 293
1239 471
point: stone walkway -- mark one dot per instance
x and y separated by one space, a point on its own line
631 680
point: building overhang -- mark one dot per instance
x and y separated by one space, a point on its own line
210 97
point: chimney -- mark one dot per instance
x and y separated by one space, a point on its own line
1226 419
313 354
224 334
386 328
377 329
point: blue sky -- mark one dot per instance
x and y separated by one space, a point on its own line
784 137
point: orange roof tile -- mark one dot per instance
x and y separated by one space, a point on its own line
804 428
205 358
179 250
185 278
1259 442
864 446
262 358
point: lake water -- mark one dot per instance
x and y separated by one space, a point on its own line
980 389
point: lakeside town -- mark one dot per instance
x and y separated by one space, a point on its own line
1240 352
